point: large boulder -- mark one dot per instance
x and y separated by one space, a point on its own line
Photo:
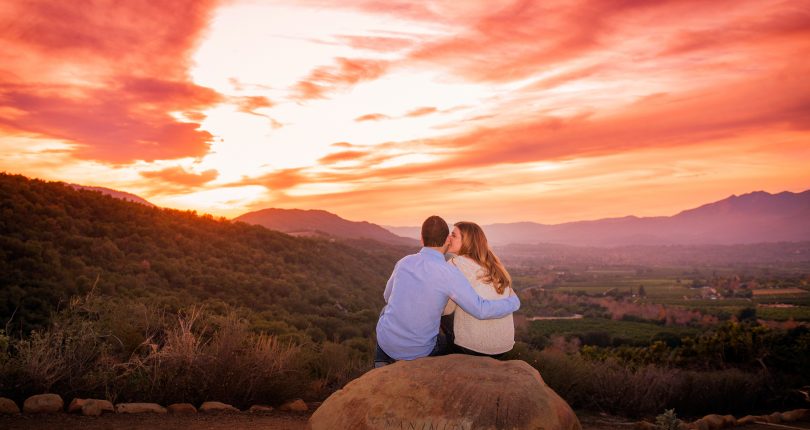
453 391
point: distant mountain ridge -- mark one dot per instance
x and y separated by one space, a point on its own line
299 222
113 193
750 218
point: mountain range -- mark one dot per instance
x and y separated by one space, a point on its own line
750 218
319 223
755 217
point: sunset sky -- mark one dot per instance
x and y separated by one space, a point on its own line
389 111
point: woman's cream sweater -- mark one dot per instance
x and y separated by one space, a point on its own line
493 336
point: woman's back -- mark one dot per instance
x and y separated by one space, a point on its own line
493 336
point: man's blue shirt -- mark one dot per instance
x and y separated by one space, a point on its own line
415 297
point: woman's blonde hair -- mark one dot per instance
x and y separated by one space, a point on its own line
474 245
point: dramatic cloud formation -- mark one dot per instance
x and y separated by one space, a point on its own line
547 111
107 78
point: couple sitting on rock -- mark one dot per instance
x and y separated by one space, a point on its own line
473 285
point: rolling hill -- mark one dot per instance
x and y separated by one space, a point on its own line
756 217
298 222
114 194
57 242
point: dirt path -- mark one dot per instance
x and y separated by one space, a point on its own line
235 421
264 421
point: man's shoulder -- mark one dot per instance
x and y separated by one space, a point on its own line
408 258
429 264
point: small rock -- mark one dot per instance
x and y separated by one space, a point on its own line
8 407
774 418
795 415
297 405
748 419
217 407
76 405
43 404
91 408
700 424
139 408
182 408
729 421
260 408
644 425
106 405
714 421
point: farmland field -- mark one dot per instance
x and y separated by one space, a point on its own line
631 332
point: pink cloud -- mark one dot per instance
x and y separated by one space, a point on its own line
377 43
106 76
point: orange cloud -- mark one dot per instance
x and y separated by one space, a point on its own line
346 73
342 156
179 176
372 117
421 111
250 104
278 180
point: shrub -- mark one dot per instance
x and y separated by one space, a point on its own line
668 420
611 387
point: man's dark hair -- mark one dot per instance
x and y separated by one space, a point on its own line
435 231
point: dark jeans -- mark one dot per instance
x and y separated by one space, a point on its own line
462 350
452 348
381 358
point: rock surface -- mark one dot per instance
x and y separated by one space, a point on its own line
260 408
217 407
8 407
76 405
43 404
714 421
139 408
748 419
90 407
297 405
182 408
795 415
454 391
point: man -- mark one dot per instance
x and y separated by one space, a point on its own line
415 297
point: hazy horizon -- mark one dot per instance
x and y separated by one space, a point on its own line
546 112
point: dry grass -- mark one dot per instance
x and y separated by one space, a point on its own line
190 356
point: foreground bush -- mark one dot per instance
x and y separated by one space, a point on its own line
611 387
128 351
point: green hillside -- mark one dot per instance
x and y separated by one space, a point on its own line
57 242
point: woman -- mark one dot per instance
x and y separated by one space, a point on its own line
491 281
